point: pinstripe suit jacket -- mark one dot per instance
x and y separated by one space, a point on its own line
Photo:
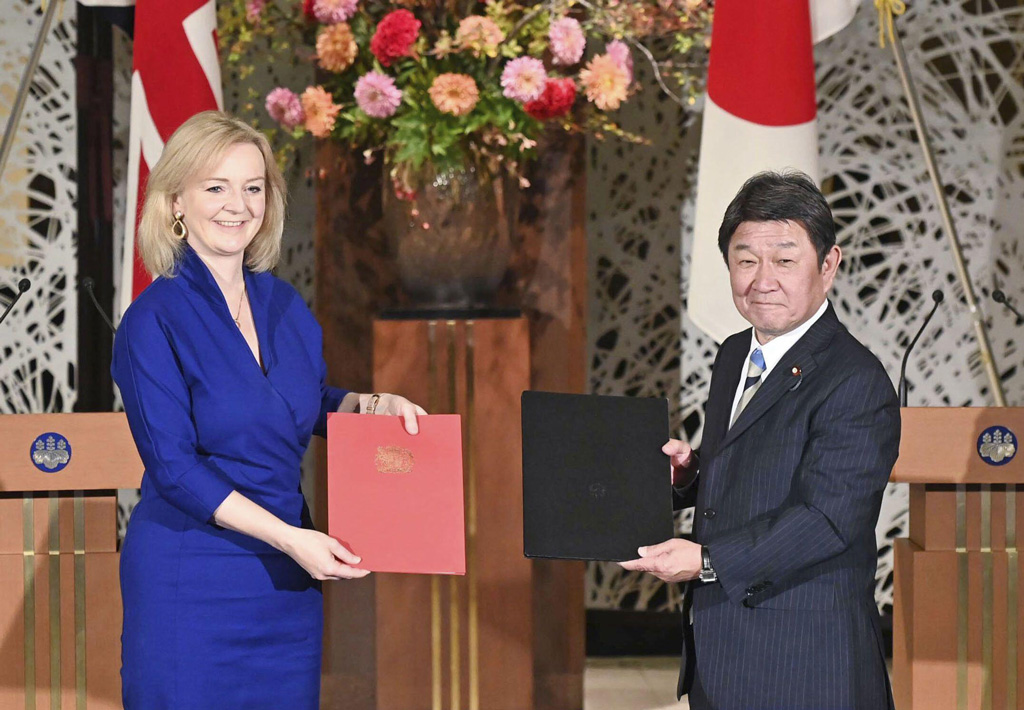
786 502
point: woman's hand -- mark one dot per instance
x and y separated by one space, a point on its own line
394 405
321 556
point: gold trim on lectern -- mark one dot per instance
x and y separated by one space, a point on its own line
1011 596
28 533
80 686
54 583
987 596
961 607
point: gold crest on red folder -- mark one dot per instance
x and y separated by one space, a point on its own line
394 459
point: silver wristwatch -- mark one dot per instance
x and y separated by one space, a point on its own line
707 572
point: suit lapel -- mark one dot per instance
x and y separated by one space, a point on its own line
781 380
723 388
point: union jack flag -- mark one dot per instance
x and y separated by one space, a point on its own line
175 74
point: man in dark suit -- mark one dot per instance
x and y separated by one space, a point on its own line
801 432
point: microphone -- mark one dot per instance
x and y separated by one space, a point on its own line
23 286
88 284
937 296
1000 297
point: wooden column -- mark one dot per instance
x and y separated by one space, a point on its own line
448 643
355 280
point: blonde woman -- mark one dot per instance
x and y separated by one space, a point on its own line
220 367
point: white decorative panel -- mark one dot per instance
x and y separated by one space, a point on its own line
37 216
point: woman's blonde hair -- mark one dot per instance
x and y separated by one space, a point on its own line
199 143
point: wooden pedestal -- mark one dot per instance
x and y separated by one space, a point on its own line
448 643
355 279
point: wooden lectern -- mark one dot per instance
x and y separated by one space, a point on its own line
60 603
958 614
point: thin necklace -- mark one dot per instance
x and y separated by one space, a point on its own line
241 298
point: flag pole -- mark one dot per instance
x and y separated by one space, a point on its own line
26 80
981 331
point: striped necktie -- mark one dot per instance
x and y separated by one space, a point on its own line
754 371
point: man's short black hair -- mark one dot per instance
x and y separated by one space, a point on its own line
781 197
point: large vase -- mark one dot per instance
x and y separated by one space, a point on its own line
451 232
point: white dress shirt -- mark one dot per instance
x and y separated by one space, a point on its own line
772 351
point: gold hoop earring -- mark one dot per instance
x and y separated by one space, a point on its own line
178 226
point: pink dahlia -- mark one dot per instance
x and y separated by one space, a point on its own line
377 95
567 41
253 10
333 11
619 51
321 111
523 79
284 106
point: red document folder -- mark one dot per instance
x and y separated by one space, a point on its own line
395 499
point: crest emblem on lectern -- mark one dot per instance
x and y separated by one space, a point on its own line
51 452
997 446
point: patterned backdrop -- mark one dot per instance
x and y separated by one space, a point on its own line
967 62
38 349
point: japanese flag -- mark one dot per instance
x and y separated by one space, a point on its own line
759 115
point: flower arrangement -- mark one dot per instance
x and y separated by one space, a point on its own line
453 82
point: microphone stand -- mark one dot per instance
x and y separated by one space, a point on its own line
23 286
88 285
937 296
1000 297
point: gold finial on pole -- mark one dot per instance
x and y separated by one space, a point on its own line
887 9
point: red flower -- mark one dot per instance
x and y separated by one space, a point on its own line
307 9
557 99
395 36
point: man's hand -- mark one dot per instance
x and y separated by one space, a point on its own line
674 560
683 461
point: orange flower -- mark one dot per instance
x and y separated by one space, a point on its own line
479 34
320 111
336 48
454 93
605 81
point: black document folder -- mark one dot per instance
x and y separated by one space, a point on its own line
596 485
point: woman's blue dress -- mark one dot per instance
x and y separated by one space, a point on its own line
214 618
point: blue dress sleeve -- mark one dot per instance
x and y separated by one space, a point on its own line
330 400
158 404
